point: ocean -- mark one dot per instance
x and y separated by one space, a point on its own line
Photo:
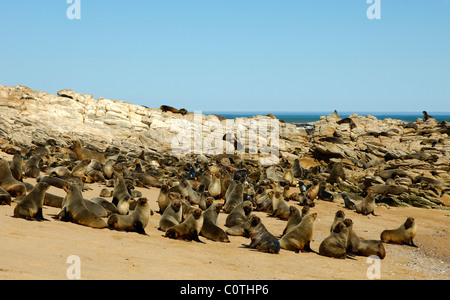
305 119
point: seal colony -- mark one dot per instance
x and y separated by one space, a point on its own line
196 188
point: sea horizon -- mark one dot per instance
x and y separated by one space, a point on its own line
309 117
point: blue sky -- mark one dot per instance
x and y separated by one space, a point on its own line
234 55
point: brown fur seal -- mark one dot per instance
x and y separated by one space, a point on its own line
402 235
83 153
299 238
32 166
166 108
349 204
136 221
297 170
265 202
30 207
121 196
280 207
189 229
5 197
335 245
312 192
338 217
235 198
76 211
367 205
210 230
240 214
261 238
171 216
215 186
80 169
8 182
163 198
295 217
359 246
16 167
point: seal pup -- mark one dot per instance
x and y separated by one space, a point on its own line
349 204
239 214
338 217
261 238
299 238
171 216
76 211
30 207
121 196
8 182
189 229
359 246
80 169
403 235
297 170
136 221
163 198
335 245
367 205
210 230
295 217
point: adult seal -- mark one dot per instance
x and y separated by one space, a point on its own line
82 153
8 182
76 211
210 230
362 247
189 229
335 245
299 238
171 216
403 235
30 207
261 238
136 221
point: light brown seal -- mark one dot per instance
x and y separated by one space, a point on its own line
402 235
189 229
32 166
30 207
367 205
76 211
210 229
299 238
359 246
335 245
8 182
136 221
83 153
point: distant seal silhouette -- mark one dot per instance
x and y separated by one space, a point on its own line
30 207
8 182
136 221
402 235
76 211
83 153
335 245
171 216
210 230
426 116
359 246
367 205
189 229
299 238
166 108
261 238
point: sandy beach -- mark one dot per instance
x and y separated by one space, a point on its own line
39 250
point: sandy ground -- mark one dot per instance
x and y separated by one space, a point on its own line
39 250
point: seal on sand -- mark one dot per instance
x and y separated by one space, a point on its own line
8 182
402 235
210 230
299 238
76 211
136 221
171 216
261 238
189 229
335 245
30 207
5 197
359 246
367 205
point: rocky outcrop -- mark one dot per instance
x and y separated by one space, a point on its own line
372 151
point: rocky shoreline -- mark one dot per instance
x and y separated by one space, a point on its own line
405 164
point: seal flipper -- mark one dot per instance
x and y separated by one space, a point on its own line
39 217
139 227
193 236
